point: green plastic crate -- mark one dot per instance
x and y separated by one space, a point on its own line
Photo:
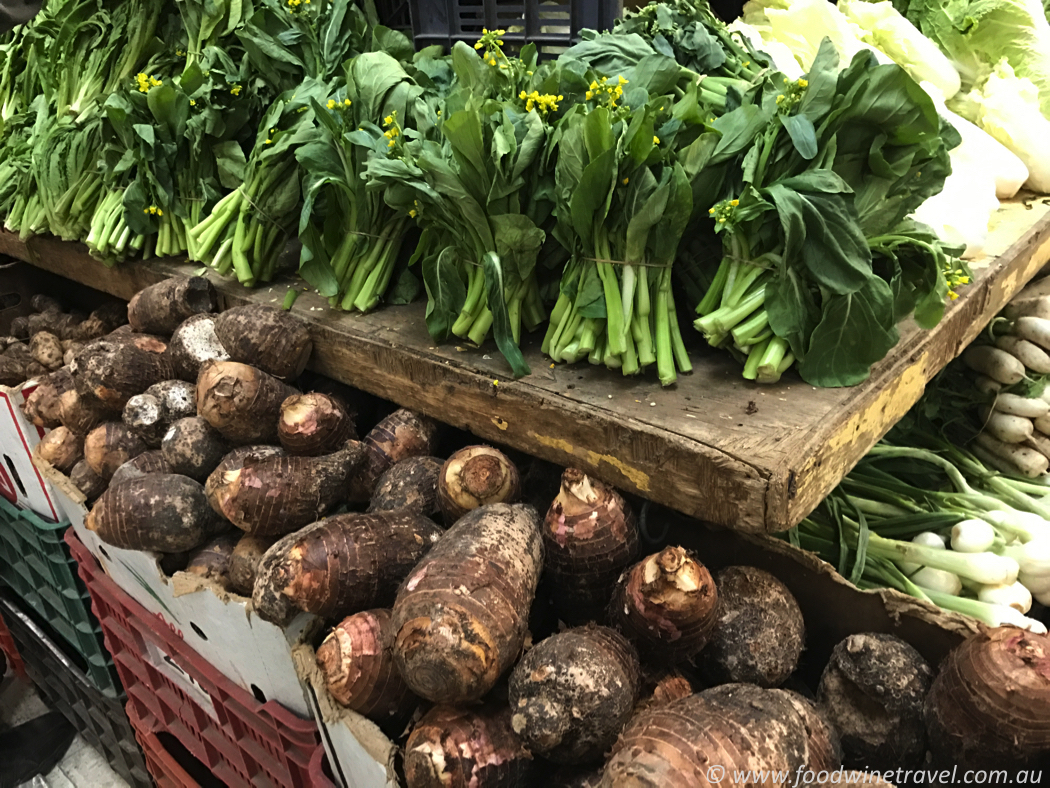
36 564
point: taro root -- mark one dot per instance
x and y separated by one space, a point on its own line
234 461
274 496
244 563
760 632
70 348
243 403
57 323
476 476
61 449
409 485
357 663
589 538
212 560
20 351
20 327
90 484
46 350
151 413
144 464
42 405
44 303
109 446
12 371
401 435
193 447
81 413
872 691
667 605
571 694
805 734
466 748
341 565
114 371
664 688
271 339
734 728
314 424
193 343
574 777
989 706
461 615
160 308
163 512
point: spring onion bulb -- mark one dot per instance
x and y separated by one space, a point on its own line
927 539
1026 526
992 615
1015 595
972 536
984 568
1032 557
937 580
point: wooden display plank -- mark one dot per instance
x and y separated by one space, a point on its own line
751 457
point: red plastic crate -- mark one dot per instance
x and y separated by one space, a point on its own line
173 690
10 650
170 770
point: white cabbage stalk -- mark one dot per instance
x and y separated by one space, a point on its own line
1016 596
979 148
891 33
961 212
1007 107
783 59
801 25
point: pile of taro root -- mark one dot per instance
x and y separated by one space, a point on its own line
505 628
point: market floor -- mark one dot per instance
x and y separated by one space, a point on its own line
82 766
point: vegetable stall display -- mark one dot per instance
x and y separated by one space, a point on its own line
445 632
582 196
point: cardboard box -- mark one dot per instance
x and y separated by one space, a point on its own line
219 626
20 481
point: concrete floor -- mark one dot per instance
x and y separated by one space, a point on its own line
82 766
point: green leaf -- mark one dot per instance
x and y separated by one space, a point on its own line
854 332
501 329
803 135
230 162
518 242
446 292
590 201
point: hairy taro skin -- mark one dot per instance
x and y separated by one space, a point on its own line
314 424
989 706
109 446
590 536
873 690
401 435
112 370
410 484
667 605
193 344
571 693
271 339
160 308
242 402
760 632
461 615
244 563
142 465
356 660
466 748
341 564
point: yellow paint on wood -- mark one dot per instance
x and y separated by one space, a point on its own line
638 478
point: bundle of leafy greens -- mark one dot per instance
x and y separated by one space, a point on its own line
300 46
481 195
819 261
351 237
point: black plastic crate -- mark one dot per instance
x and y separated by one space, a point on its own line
100 719
551 26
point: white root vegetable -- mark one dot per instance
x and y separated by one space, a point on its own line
1016 405
1006 428
1042 423
1040 442
1034 329
1028 462
1028 307
1028 353
995 363
986 385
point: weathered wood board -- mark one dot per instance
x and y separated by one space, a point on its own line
714 446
